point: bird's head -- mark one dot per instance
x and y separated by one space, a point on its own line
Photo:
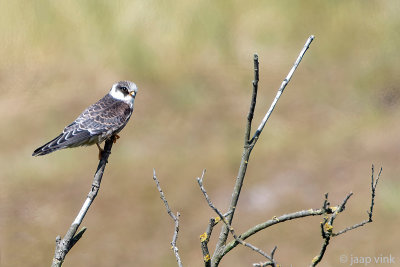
125 91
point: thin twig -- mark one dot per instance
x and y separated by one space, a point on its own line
326 209
173 216
327 228
267 263
222 217
253 99
275 220
204 239
326 203
248 147
373 187
280 91
374 183
63 246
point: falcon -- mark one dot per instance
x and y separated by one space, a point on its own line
100 121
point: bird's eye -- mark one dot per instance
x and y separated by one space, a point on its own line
124 89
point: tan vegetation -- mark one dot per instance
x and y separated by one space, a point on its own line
192 62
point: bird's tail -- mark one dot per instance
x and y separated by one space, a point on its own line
49 147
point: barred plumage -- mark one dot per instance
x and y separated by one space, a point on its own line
105 118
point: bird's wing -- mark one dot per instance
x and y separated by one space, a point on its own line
97 122
74 137
108 115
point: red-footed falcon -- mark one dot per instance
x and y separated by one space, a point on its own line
105 118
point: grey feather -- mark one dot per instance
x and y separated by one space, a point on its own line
106 117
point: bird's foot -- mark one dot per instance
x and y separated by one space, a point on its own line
116 137
100 151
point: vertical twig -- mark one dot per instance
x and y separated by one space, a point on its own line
204 239
327 228
173 216
374 183
253 99
63 246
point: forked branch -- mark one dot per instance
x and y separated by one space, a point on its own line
231 230
327 225
280 90
249 144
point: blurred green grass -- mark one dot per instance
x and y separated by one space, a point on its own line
192 61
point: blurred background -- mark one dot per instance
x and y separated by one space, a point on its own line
192 62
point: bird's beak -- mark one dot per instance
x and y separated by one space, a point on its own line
133 94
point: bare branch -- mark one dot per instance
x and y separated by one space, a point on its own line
327 228
222 217
326 238
373 187
204 239
326 209
63 246
248 147
273 221
374 183
280 91
78 236
267 263
253 99
173 216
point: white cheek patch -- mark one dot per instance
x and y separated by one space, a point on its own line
117 94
